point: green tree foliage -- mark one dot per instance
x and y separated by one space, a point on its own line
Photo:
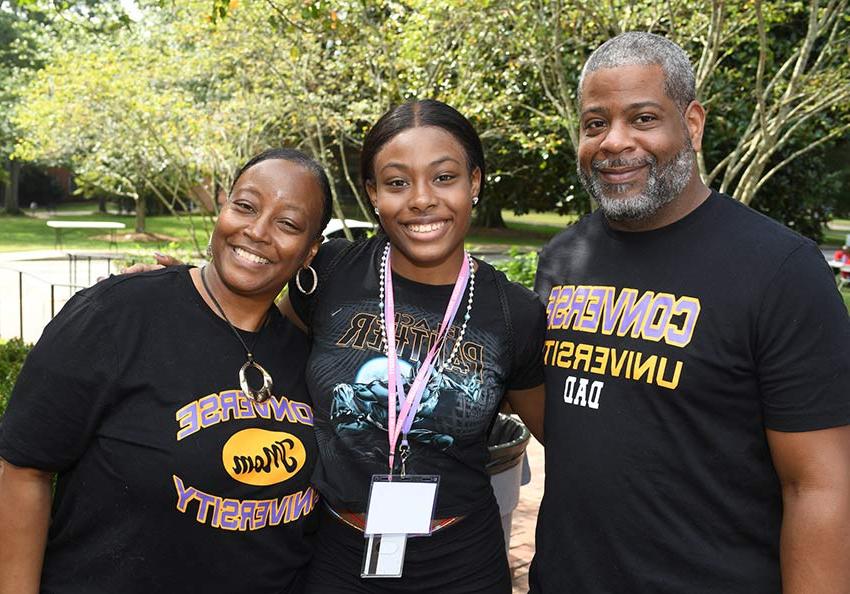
20 36
12 355
159 109
520 267
168 103
774 75
796 194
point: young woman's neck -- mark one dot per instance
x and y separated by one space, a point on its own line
246 312
444 272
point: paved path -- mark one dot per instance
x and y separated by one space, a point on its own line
45 280
525 519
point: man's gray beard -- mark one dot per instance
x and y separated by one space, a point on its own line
662 186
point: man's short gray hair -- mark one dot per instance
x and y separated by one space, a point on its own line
646 49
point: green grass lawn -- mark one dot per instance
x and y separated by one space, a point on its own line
834 238
836 232
24 233
528 231
845 294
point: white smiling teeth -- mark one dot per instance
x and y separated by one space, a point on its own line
251 257
426 228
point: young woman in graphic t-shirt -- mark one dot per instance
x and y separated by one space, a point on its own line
423 169
174 473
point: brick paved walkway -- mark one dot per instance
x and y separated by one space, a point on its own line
525 519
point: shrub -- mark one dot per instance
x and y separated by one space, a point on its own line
12 355
519 267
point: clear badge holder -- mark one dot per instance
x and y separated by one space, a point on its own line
398 507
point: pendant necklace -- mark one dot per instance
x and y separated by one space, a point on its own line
265 392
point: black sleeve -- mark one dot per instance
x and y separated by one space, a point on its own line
63 389
528 320
302 304
803 347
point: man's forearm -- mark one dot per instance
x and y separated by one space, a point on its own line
815 545
24 517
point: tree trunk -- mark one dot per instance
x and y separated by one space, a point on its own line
488 214
140 215
11 194
101 203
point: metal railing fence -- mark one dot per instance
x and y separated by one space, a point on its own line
29 299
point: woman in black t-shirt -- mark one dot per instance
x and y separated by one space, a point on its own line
176 471
423 169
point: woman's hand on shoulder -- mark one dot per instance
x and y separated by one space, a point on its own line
140 267
162 260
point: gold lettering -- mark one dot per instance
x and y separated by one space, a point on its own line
645 367
600 358
583 353
547 348
673 382
617 364
565 351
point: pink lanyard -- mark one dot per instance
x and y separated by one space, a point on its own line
394 383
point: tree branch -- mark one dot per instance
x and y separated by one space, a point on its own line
760 98
833 134
351 184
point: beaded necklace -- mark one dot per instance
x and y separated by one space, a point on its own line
456 347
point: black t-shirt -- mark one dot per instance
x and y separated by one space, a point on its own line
668 353
347 374
169 479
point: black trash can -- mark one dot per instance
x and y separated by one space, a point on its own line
506 444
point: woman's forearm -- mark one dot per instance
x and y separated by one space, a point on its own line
25 496
528 404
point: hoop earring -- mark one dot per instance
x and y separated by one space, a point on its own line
474 200
376 211
315 280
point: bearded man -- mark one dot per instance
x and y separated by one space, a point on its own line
698 391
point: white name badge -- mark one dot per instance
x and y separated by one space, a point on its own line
401 505
398 507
